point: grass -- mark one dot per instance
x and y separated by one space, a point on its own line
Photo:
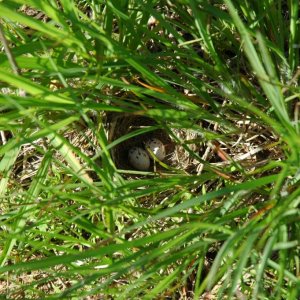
221 220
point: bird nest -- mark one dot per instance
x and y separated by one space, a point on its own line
122 126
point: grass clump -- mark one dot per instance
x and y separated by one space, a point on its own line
218 83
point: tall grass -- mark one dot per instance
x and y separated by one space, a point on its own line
76 225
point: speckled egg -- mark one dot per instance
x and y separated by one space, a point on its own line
157 147
139 158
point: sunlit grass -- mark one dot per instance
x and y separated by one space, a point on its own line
219 218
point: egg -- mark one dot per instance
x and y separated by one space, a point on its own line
139 158
157 147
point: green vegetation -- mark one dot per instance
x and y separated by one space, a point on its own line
219 218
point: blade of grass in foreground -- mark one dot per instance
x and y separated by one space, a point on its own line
269 88
34 89
111 40
52 261
59 144
294 35
6 166
106 250
32 194
263 262
50 30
